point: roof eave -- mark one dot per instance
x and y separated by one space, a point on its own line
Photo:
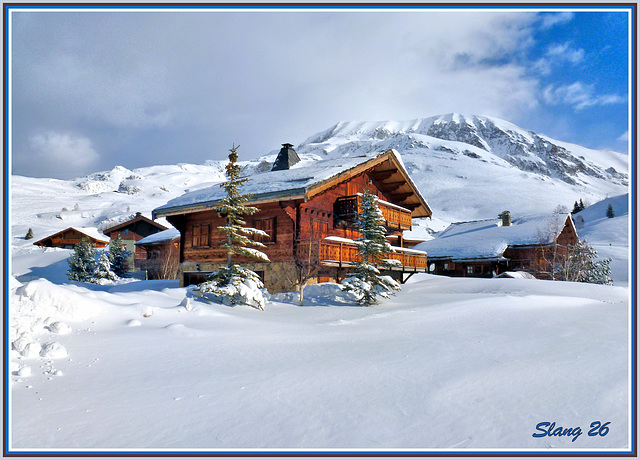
256 199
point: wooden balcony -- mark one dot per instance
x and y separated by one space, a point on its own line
340 252
395 217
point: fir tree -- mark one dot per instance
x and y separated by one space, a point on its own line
233 283
610 213
582 265
366 282
118 257
29 234
576 208
103 269
82 263
233 208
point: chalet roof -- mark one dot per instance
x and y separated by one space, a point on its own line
90 232
306 181
488 239
138 218
160 237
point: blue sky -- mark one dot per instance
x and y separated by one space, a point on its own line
137 88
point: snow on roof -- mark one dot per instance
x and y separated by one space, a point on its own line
273 184
293 181
486 239
160 237
93 233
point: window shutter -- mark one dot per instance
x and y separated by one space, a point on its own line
195 240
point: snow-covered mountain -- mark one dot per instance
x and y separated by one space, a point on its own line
522 149
467 167
472 167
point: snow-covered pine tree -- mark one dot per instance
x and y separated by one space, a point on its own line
29 234
118 257
610 213
236 284
582 265
366 282
82 263
103 269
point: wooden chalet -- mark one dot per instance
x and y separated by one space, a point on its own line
309 214
163 254
71 236
486 248
130 232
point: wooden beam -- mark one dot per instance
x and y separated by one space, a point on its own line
392 186
382 175
401 196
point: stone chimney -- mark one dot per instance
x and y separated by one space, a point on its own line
506 218
286 158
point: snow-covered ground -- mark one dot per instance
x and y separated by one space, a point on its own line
449 363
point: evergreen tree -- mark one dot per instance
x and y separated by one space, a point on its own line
582 265
610 213
118 257
234 283
233 208
82 263
103 269
366 282
577 206
29 234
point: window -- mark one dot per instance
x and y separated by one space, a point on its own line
446 266
469 269
195 277
200 236
268 226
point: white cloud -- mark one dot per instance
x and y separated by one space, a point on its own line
624 137
564 52
62 152
549 20
579 95
558 54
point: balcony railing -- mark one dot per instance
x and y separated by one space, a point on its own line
396 217
334 251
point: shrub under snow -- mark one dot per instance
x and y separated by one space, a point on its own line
232 286
366 289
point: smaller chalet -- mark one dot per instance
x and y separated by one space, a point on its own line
130 232
308 209
71 236
163 254
486 248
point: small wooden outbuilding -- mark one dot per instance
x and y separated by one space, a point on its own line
486 248
130 232
163 254
71 236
